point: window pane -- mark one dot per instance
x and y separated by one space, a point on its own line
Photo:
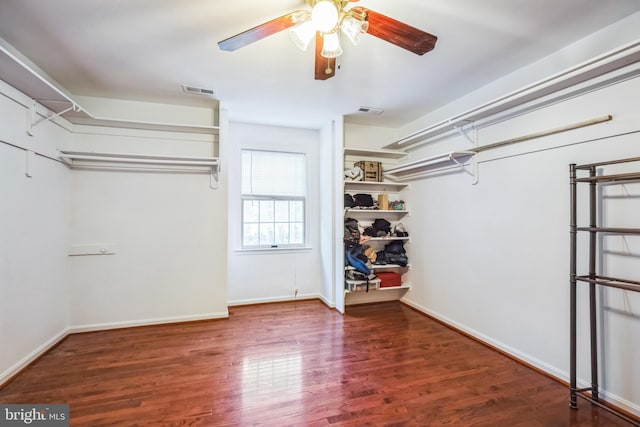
266 234
297 234
251 211
282 234
266 210
296 211
250 235
282 211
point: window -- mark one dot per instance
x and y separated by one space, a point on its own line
274 187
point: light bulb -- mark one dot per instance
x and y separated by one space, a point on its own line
324 16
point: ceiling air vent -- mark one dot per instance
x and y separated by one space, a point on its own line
370 111
197 90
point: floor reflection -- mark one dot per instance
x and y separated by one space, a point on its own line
270 376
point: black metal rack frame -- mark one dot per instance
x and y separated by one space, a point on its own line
592 278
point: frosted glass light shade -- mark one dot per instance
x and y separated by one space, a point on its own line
324 16
354 28
331 46
302 34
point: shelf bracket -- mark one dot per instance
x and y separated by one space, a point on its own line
474 168
29 161
465 133
214 177
33 119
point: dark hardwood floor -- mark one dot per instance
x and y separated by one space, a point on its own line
296 364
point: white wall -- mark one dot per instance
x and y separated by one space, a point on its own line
34 224
493 259
330 140
274 275
168 229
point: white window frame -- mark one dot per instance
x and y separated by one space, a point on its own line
269 197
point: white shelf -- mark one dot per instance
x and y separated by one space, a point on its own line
87 159
388 239
382 154
393 288
377 211
74 158
143 125
362 282
389 288
452 158
381 267
375 186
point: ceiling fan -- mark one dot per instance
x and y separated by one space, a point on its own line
325 20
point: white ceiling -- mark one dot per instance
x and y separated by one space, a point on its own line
146 49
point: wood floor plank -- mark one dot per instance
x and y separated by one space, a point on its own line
296 364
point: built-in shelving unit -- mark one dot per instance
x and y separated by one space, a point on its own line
357 290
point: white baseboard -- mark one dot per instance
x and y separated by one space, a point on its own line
42 349
28 359
253 301
330 304
147 322
524 357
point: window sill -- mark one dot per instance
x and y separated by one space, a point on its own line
262 251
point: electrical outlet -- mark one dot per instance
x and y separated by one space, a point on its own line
295 293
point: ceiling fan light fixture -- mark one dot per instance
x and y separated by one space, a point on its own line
324 16
302 34
331 45
354 28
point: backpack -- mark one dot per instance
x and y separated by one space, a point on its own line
356 262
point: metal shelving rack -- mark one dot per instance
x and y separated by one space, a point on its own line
592 278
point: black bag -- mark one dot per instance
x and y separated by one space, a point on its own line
393 253
369 231
348 201
381 227
364 200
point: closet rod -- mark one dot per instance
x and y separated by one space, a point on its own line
547 132
69 157
37 153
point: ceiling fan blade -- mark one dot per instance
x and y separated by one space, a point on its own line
261 31
325 67
398 33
